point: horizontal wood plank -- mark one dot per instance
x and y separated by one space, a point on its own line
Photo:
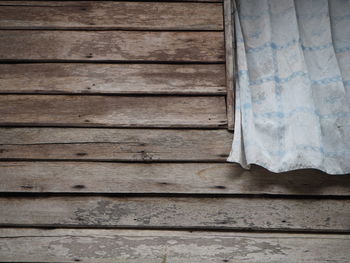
110 15
169 212
46 78
112 111
157 1
173 178
114 144
111 46
146 246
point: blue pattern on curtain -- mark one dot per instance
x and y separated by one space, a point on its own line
293 85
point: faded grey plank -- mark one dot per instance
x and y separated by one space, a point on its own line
110 15
172 79
184 178
111 46
168 212
114 144
135 246
113 111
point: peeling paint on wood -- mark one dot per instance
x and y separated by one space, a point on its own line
169 212
136 246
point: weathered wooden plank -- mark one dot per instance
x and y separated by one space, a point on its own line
113 111
110 15
114 144
111 46
230 63
156 1
174 178
146 246
56 78
169 212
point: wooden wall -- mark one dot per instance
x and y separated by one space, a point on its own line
113 141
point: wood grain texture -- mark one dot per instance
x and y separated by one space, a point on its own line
111 46
114 144
112 111
174 178
177 212
230 62
46 78
110 15
146 246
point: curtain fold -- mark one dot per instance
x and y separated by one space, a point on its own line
292 85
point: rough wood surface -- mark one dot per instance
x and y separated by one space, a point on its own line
146 246
110 15
174 178
111 46
230 63
114 144
112 111
47 78
177 212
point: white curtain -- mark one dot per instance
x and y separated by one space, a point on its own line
293 85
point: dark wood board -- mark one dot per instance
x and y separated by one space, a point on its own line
110 15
